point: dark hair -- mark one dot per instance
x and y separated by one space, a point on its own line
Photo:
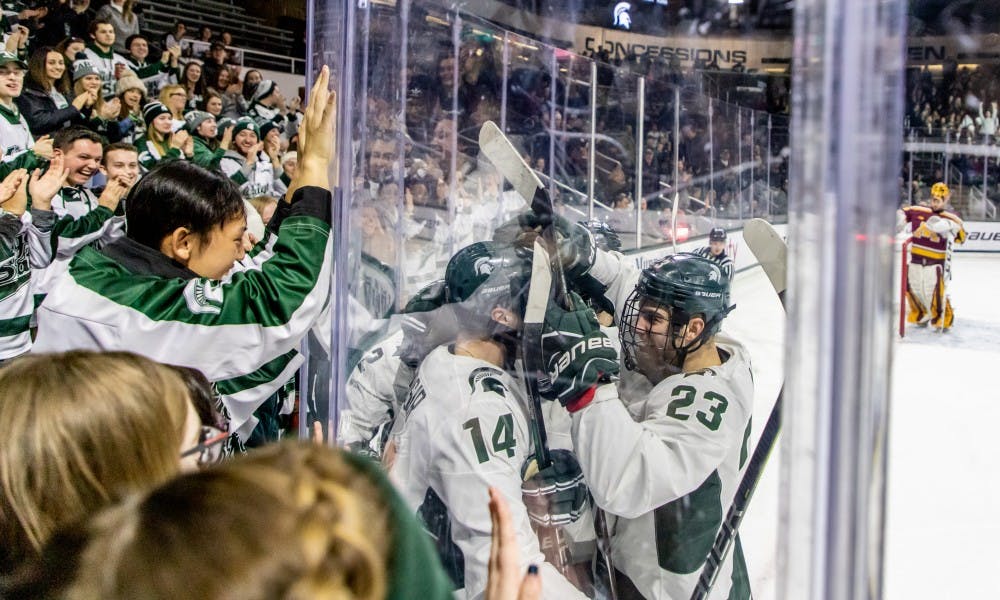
180 194
65 138
117 146
132 38
248 87
199 86
92 30
36 69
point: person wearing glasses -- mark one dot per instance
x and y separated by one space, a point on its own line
82 430
175 98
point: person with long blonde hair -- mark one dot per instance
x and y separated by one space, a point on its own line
80 431
290 520
175 98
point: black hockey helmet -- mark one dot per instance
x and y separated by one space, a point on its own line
686 285
717 234
431 296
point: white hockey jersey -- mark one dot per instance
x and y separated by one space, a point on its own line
460 431
669 464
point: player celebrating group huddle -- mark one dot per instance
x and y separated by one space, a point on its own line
463 428
934 231
667 464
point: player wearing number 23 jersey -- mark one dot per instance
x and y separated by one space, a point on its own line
668 466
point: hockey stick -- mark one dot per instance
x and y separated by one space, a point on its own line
772 253
505 157
498 149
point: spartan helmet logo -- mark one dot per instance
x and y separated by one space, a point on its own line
622 18
483 266
713 275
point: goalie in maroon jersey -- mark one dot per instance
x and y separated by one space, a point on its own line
934 230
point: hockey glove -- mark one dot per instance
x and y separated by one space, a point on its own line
577 247
577 355
556 495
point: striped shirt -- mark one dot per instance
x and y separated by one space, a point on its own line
723 260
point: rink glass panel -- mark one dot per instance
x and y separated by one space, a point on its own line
416 81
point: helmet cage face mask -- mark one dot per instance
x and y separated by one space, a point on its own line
636 338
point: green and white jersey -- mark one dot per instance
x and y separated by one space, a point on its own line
242 332
667 461
74 201
256 179
24 244
262 115
105 63
15 137
460 431
150 155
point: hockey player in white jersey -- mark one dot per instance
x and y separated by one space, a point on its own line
463 428
668 467
715 251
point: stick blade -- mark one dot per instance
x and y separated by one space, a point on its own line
541 283
770 249
505 157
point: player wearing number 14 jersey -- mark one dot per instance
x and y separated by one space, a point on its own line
668 466
462 428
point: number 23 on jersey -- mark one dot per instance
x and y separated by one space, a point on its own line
684 396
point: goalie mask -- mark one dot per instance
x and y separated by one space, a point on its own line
655 319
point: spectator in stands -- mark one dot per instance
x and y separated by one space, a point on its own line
72 49
250 81
215 62
265 207
82 430
174 97
132 95
289 162
42 103
161 142
121 16
177 35
245 161
208 150
81 150
154 75
62 19
268 105
185 231
339 525
194 84
987 122
233 56
121 160
205 34
212 103
15 134
100 52
102 116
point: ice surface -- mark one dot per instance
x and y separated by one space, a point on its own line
944 460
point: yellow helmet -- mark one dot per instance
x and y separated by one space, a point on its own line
940 190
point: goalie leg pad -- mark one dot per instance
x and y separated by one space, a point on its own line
922 281
939 298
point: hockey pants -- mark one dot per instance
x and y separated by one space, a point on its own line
926 297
